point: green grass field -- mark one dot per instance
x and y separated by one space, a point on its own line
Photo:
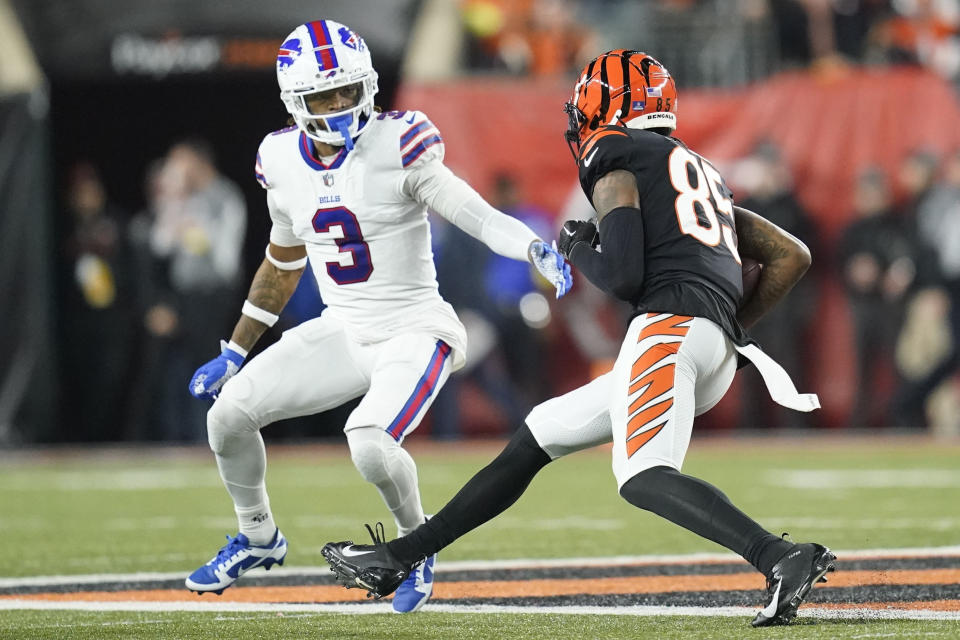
161 510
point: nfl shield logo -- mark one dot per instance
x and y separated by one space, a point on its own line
328 179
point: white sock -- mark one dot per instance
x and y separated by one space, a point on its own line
256 523
243 466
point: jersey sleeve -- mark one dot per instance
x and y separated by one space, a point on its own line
420 141
281 231
258 172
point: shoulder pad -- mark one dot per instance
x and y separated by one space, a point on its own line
266 151
418 139
610 132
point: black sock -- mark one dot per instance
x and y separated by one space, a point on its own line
703 509
486 495
764 551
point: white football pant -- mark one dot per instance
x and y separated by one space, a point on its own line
314 367
670 369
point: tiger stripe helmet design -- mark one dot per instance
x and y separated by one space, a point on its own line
624 88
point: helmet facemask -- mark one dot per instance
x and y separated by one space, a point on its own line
337 127
575 121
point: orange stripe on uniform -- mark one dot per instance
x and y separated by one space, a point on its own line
653 383
669 326
602 133
652 356
646 416
634 443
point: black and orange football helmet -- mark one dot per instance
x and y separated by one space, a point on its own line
620 87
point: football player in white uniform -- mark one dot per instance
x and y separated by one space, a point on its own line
348 188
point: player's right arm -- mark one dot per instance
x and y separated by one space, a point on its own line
784 258
273 284
619 268
270 291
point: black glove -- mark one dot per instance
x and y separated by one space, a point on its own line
575 231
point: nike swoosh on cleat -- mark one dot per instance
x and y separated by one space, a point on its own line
350 553
771 609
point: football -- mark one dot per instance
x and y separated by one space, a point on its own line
750 270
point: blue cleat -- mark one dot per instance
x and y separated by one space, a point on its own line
414 592
232 561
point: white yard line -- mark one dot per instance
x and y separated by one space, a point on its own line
480 565
834 479
385 608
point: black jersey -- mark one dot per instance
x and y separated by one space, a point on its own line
690 255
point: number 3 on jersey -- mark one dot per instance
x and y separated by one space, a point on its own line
707 194
352 243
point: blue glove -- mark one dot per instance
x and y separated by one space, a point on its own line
551 266
208 379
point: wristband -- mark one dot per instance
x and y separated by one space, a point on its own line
233 346
260 315
293 265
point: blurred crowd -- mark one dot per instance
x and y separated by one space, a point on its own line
148 296
548 37
898 263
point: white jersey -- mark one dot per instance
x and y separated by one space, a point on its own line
368 240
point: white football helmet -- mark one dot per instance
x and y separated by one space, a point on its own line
318 57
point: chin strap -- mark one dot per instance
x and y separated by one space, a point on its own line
342 125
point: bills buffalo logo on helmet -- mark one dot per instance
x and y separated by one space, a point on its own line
350 39
288 52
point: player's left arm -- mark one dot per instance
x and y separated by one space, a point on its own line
436 186
784 258
618 269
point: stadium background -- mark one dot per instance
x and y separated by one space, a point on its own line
101 536
115 84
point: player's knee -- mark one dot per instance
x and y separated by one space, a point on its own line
226 422
370 452
646 488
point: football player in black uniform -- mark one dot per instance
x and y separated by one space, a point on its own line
671 240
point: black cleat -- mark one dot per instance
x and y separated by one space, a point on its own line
790 581
367 566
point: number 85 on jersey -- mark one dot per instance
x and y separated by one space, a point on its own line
685 169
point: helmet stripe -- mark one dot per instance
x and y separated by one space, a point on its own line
604 90
625 69
589 73
322 45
